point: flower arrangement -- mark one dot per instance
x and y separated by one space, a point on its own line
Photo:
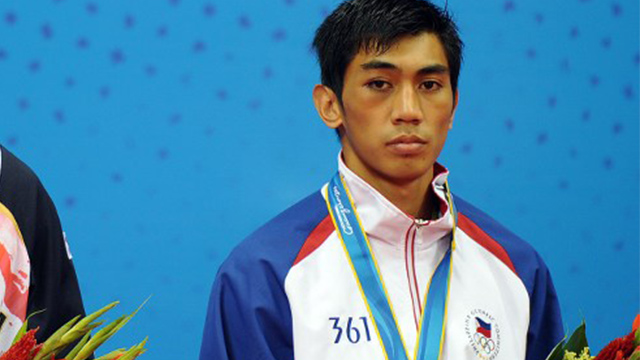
25 346
577 347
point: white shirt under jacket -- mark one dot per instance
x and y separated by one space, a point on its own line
407 249
288 291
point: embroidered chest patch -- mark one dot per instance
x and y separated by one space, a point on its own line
483 333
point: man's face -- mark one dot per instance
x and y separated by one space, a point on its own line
397 110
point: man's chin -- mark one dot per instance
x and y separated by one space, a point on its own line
404 175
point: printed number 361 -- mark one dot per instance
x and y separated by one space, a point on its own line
352 331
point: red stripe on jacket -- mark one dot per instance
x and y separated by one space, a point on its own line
486 241
316 238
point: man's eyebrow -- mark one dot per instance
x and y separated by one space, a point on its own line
377 64
427 70
433 69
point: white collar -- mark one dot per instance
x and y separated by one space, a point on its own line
382 220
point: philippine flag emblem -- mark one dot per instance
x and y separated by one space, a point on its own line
484 334
483 328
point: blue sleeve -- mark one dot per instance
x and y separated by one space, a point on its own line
545 323
248 316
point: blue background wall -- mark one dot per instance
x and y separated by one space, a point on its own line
166 131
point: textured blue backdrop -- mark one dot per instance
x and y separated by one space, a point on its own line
166 131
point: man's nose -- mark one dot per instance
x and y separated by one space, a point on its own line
407 106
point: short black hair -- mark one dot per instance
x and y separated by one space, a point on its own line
376 25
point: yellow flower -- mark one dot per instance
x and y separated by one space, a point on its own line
584 355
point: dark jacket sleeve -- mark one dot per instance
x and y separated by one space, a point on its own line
53 284
248 316
545 323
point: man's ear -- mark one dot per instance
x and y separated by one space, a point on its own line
455 106
328 106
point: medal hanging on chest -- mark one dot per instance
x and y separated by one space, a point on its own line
358 250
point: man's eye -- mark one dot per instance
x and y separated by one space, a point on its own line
378 85
431 85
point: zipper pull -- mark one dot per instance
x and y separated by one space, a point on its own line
421 222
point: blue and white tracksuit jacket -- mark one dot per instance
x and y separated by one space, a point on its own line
288 291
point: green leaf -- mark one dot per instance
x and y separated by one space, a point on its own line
78 346
89 318
128 318
112 355
75 333
109 330
98 339
578 339
52 343
23 328
105 333
135 351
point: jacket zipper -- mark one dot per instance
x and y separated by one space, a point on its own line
410 262
410 267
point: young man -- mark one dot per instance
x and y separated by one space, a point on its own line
383 262
37 271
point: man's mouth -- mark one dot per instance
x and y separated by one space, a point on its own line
407 145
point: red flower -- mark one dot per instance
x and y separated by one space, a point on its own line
618 349
25 349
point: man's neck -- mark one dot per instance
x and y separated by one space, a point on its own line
414 197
